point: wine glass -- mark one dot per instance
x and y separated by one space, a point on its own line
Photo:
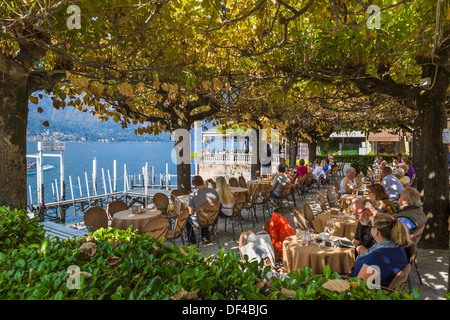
330 227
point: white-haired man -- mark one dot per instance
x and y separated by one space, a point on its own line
411 211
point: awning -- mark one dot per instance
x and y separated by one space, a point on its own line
383 136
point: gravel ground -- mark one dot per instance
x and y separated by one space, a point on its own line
432 265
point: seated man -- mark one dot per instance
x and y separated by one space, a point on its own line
199 196
363 239
277 183
411 211
392 185
318 172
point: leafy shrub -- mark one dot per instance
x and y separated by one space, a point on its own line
114 264
17 229
120 265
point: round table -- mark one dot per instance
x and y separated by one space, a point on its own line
296 256
255 187
344 227
124 219
236 190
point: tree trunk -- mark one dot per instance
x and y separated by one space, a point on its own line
182 149
312 151
293 149
184 177
417 154
13 147
434 166
255 168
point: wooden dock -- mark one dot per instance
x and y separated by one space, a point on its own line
80 205
61 231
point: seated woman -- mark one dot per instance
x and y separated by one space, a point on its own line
302 169
399 173
378 194
381 262
349 182
226 197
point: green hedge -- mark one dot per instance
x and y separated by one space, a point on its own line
120 265
360 163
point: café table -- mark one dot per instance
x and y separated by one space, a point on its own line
256 186
344 227
237 190
139 222
296 256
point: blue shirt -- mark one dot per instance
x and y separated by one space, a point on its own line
325 169
388 260
408 223
393 186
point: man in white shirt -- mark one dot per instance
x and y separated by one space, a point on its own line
318 171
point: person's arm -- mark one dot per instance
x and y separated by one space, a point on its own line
348 189
191 210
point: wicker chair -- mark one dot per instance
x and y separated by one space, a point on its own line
336 187
299 219
233 182
309 214
95 218
161 202
332 203
285 193
239 204
321 200
307 181
116 206
174 194
158 228
179 229
207 215
400 279
242 182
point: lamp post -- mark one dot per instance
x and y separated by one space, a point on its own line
230 97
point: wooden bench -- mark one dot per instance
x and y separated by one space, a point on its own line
61 231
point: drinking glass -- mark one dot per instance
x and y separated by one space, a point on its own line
330 227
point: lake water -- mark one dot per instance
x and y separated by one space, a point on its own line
78 159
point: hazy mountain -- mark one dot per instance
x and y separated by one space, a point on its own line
71 121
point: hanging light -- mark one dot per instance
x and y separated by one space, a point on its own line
306 121
337 127
230 98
